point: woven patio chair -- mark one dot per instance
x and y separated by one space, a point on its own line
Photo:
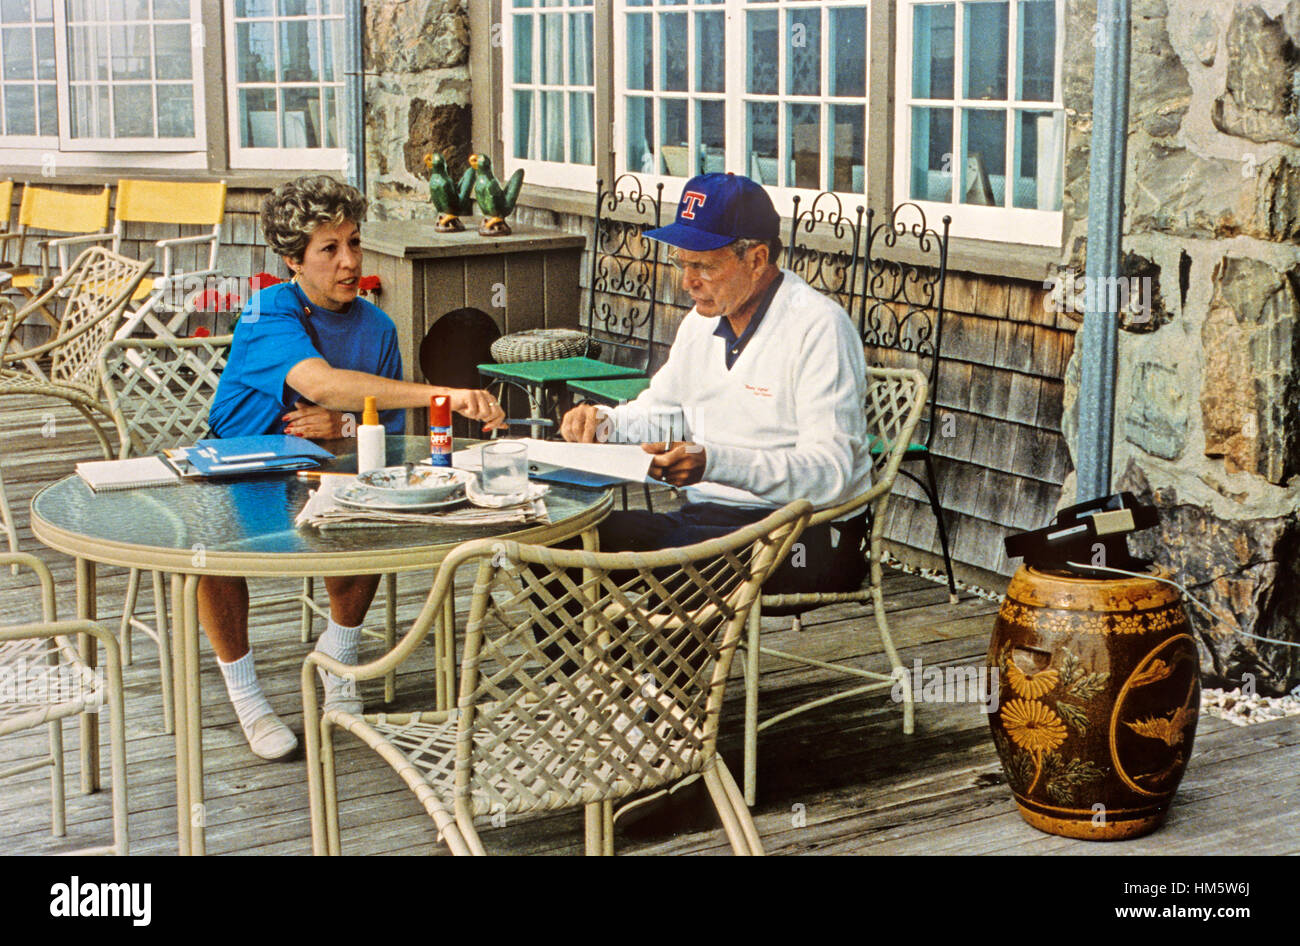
158 392
51 683
94 291
587 678
895 399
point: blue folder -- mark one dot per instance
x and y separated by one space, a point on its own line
235 456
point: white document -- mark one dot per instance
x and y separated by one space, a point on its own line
624 460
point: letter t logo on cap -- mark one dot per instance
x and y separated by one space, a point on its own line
691 200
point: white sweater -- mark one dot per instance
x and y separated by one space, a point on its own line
786 422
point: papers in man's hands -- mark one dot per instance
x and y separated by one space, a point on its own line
106 475
622 460
323 512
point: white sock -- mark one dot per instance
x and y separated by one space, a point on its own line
245 692
340 642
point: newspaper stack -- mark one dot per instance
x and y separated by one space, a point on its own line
323 512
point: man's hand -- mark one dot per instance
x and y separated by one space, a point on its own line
580 424
678 463
317 423
478 405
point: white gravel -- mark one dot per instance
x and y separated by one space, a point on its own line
1244 709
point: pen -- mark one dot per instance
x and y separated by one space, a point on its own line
528 422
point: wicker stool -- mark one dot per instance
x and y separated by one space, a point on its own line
542 344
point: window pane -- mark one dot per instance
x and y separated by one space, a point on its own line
640 52
257 125
15 11
129 10
582 125
672 40
171 49
710 42
331 50
803 130
848 137
176 111
985 50
301 111
640 134
711 136
49 110
297 7
674 150
761 131
580 49
848 52
983 165
552 49
16 43
523 124
931 154
88 54
86 107
299 57
255 51
254 8
804 55
333 119
1039 164
130 52
763 50
932 51
132 111
523 49
553 126
1037 48
80 10
20 110
45 53
171 9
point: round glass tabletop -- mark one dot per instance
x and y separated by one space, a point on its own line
245 526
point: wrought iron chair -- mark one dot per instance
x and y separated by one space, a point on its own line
572 692
905 271
52 683
95 290
624 282
158 392
824 247
896 398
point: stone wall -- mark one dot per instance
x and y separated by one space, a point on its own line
1208 391
417 100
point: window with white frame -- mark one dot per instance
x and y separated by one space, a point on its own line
549 116
88 75
285 88
979 129
790 111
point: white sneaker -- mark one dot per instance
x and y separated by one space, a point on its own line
269 738
341 693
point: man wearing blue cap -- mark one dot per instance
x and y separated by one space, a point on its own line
764 384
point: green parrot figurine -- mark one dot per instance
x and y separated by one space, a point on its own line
495 202
452 200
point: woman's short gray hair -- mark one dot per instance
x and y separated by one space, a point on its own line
292 211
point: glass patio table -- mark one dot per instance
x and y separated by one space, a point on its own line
244 527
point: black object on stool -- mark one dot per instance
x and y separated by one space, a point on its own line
1076 532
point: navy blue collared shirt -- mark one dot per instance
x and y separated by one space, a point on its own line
736 345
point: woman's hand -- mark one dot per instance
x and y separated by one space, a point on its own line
478 405
318 423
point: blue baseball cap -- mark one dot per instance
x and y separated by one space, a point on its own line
717 209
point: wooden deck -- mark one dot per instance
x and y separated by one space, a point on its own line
840 780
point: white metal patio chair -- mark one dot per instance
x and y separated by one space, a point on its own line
895 400
52 682
94 291
158 392
574 691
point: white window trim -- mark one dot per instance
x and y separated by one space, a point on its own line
307 159
974 221
546 173
67 144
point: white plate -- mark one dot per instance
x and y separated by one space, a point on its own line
354 496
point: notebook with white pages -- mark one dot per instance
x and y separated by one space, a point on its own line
136 473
